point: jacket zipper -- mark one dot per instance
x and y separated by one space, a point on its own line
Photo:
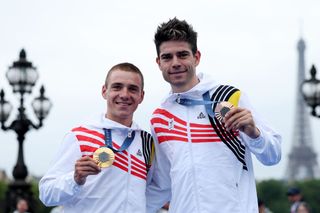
128 178
195 187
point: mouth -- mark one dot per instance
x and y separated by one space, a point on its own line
123 103
177 72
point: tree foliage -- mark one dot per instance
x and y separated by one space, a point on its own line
273 193
40 208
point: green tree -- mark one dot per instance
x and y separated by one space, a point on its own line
273 193
3 189
40 208
310 190
39 205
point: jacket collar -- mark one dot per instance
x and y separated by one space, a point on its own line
103 122
206 83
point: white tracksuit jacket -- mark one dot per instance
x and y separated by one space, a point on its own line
197 170
119 188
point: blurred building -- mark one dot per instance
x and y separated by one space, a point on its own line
302 159
3 176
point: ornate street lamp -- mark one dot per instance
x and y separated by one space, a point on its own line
22 76
310 89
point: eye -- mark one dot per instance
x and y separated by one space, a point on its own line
183 54
134 89
116 86
166 57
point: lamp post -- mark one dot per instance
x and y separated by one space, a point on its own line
22 76
310 89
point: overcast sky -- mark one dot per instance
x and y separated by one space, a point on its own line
247 43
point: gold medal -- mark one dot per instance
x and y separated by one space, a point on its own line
104 156
221 110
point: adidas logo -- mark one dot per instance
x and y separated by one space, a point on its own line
201 116
139 153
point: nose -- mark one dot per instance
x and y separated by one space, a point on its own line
124 93
176 62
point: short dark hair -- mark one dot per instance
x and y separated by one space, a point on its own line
128 67
176 30
293 191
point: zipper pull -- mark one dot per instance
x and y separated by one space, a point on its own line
130 133
178 100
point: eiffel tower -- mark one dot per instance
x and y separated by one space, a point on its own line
302 159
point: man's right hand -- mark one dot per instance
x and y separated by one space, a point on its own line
85 166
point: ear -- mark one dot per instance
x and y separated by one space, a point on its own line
104 92
197 56
158 61
142 96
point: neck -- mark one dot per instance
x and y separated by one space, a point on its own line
186 87
125 121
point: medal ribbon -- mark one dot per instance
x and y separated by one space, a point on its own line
126 143
191 102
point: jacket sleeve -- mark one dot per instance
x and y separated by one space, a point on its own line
57 186
158 190
267 147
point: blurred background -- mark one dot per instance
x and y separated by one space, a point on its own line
266 48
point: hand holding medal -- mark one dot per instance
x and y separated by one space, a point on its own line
221 110
239 119
84 167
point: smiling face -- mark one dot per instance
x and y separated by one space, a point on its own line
123 93
178 65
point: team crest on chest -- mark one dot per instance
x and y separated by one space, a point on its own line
171 124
